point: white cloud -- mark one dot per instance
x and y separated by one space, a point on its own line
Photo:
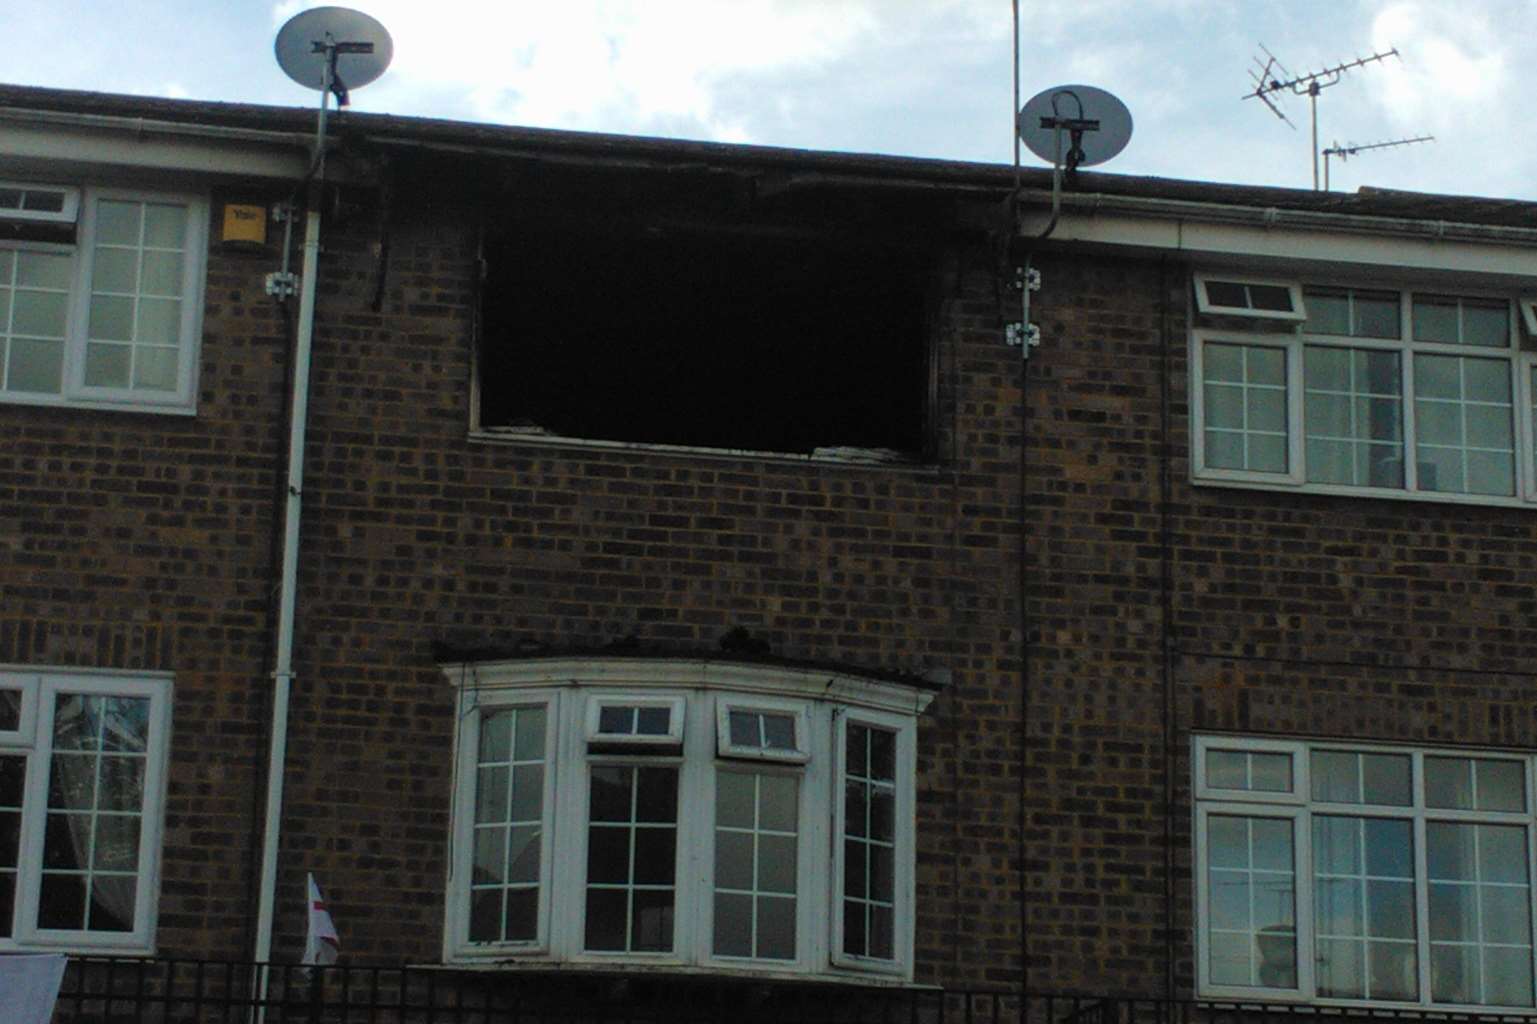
1453 66
608 63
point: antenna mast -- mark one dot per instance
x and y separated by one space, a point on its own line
1272 78
1346 152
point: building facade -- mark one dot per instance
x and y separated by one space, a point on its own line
692 582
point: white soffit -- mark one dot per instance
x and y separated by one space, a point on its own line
1260 245
136 145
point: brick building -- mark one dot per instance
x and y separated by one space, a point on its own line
691 583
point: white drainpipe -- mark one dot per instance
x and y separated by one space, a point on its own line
282 673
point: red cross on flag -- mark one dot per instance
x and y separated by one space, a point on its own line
322 945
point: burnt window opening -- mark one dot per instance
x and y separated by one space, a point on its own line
782 344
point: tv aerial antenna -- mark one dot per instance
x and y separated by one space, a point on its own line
1346 152
1271 79
1070 126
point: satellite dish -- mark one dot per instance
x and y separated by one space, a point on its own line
333 48
1075 125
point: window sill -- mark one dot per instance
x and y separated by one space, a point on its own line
1383 493
97 405
853 458
513 964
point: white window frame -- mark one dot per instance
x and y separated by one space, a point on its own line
1296 342
66 215
35 745
797 712
1301 808
74 392
671 738
702 692
904 882
1203 302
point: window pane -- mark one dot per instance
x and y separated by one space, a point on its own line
35 366
744 729
779 732
1226 293
155 368
1245 406
1486 323
1336 777
1352 399
39 314
159 321
631 860
616 721
509 803
733 924
1501 785
653 721
1341 969
1227 769
111 318
1376 315
115 270
163 273
1449 782
1260 853
869 795
1385 779
48 270
760 859
776 929
1508 976
1435 319
165 226
117 223
1393 970
1328 311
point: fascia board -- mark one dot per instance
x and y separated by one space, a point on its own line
692 673
32 145
1284 246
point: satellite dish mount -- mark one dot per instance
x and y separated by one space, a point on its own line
1096 126
334 50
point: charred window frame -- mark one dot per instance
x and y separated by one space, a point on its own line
768 338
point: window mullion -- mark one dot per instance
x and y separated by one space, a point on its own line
1421 890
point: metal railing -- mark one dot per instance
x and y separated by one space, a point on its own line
165 991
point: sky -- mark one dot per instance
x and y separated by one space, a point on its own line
923 78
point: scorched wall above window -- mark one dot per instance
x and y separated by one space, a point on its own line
758 338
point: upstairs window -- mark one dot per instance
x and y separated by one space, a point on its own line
774 833
775 341
1359 874
1392 393
100 296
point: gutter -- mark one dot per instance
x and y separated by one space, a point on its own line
144 126
1092 203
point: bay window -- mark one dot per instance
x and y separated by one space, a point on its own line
729 817
1343 872
1380 392
82 773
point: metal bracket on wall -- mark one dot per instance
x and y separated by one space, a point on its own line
282 284
1022 333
